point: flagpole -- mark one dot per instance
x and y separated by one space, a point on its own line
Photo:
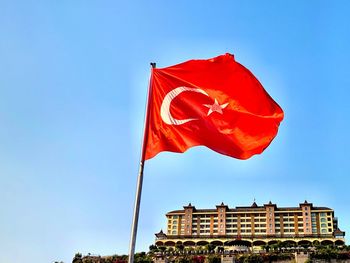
140 178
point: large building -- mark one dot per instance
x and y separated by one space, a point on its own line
252 226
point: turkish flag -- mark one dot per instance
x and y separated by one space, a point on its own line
217 103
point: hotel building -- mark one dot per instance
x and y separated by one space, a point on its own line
251 226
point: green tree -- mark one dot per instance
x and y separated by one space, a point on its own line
179 247
162 248
77 258
210 247
153 247
142 258
266 247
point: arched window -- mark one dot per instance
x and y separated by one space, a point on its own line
323 219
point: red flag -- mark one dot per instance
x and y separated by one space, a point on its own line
217 103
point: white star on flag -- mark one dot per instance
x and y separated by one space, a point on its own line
216 107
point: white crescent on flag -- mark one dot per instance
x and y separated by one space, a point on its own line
165 108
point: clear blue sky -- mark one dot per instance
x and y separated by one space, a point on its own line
73 83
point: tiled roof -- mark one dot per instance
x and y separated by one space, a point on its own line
247 209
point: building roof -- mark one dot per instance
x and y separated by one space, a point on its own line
160 234
339 232
253 207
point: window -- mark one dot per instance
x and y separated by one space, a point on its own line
323 219
323 225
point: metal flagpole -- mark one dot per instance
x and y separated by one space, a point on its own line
140 178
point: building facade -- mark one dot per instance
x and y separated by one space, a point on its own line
251 226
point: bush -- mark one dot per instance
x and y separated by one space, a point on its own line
277 257
213 259
184 259
251 258
198 259
325 253
142 258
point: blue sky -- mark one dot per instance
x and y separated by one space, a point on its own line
73 84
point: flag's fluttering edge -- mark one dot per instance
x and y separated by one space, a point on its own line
217 103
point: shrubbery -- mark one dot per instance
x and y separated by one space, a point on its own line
251 258
180 254
328 253
213 259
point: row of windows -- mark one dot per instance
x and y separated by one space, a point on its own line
285 220
322 214
245 218
287 230
247 231
277 225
